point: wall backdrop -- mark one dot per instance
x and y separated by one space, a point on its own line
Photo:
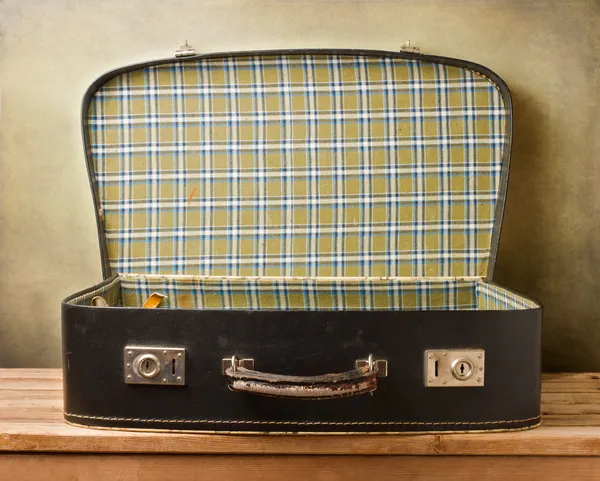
547 51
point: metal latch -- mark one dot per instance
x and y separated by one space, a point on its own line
454 367
407 48
185 50
154 365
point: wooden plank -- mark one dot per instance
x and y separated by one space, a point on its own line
31 385
544 441
576 409
573 387
16 395
268 468
571 398
31 420
50 437
570 377
30 406
22 415
31 379
17 373
558 420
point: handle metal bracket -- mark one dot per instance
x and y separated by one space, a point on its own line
234 362
382 365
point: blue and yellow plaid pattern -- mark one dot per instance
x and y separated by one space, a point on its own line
194 292
299 165
491 297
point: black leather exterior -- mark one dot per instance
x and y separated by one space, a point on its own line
301 343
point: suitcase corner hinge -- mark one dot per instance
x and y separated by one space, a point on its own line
408 48
185 50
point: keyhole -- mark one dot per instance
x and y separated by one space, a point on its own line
462 369
147 365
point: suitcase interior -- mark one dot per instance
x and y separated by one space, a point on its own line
194 292
303 182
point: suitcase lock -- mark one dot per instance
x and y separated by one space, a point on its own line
454 367
154 365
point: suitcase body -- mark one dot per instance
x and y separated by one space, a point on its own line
322 228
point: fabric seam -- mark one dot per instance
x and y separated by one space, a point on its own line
300 423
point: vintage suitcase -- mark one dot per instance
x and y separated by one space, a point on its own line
324 226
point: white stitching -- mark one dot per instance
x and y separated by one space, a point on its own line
301 423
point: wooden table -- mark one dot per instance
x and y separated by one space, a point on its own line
35 444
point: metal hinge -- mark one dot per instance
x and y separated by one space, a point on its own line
185 50
407 48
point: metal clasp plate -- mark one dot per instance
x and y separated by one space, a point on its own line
154 365
454 368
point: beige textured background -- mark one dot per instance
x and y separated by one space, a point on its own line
548 52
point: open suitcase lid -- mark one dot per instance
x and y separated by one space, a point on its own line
304 163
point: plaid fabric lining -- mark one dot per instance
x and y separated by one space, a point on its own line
111 293
304 294
191 292
303 165
494 298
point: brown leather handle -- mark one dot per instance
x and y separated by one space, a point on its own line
325 386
